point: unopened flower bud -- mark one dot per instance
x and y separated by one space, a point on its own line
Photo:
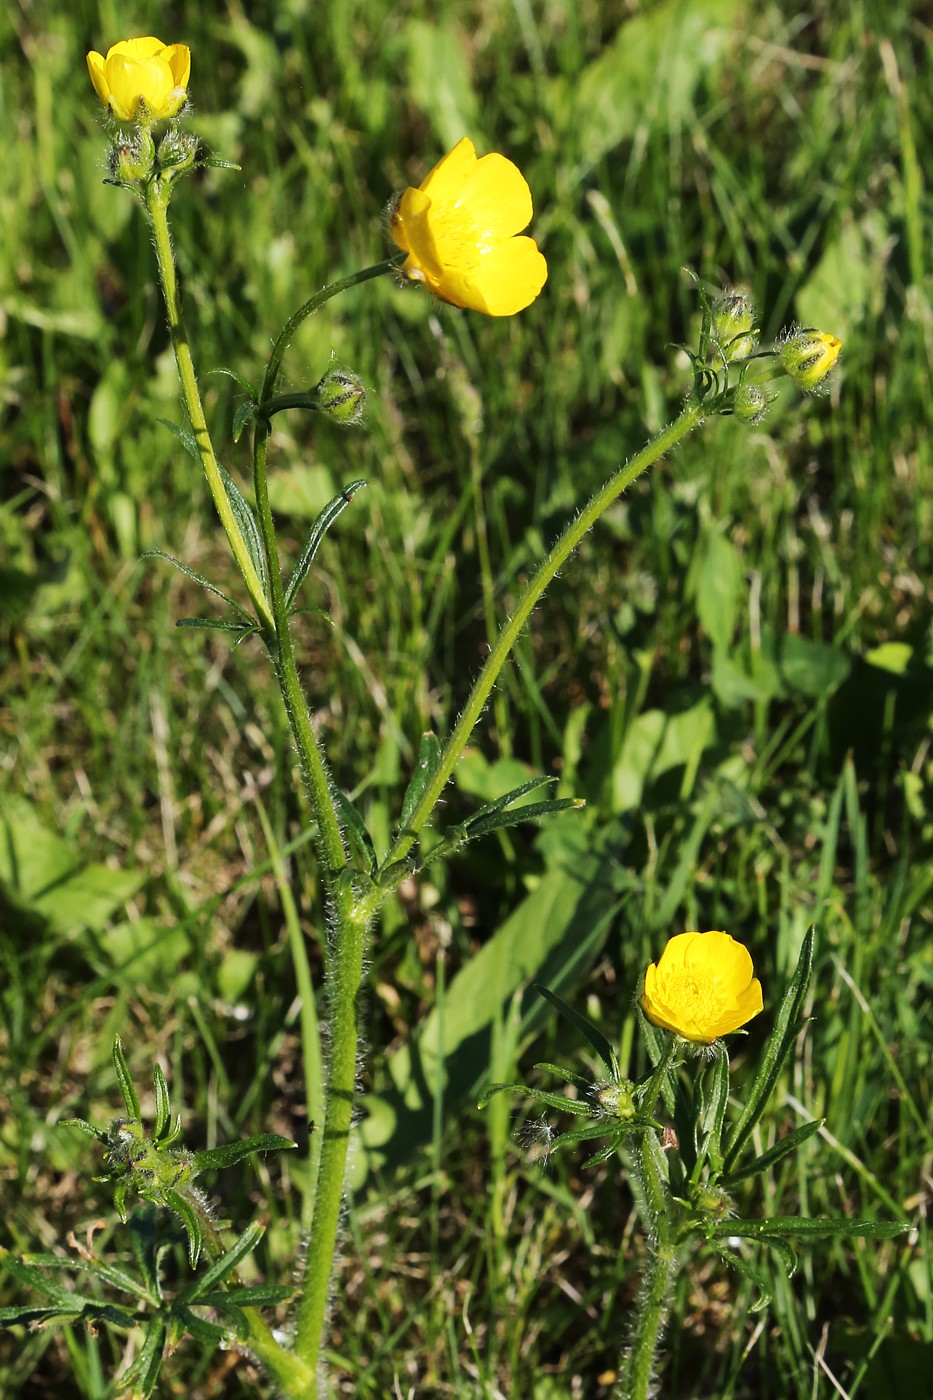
733 326
808 356
617 1099
133 161
341 395
750 403
178 151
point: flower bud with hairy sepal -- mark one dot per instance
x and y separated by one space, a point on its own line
733 326
178 151
617 1099
132 162
809 356
750 403
341 395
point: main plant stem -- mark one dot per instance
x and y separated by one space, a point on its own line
693 414
157 197
344 960
660 1270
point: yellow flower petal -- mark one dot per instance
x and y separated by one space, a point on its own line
95 66
459 231
502 281
444 183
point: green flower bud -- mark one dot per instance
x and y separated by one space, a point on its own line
617 1100
132 161
733 326
341 395
809 356
751 403
178 151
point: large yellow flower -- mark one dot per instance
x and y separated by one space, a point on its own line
142 71
459 230
702 987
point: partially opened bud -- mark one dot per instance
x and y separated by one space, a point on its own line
809 356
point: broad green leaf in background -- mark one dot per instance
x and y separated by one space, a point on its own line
440 82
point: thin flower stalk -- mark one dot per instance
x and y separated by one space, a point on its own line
156 197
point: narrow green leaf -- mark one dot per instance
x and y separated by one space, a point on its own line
130 1100
787 1256
107 1273
584 1134
189 1220
787 1026
225 1265
210 624
357 828
319 529
429 752
84 1126
605 1153
240 379
163 1103
34 1317
247 522
210 1334
258 1295
198 578
749 1272
507 798
774 1154
237 1317
716 1097
215 1158
558 1101
579 1079
656 1041
242 418
532 812
34 1278
184 437
151 1355
802 1227
586 1028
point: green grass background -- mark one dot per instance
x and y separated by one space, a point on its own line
736 671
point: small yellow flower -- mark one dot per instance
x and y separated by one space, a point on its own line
702 987
459 230
142 80
809 356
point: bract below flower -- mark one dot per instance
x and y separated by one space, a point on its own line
142 80
702 987
460 227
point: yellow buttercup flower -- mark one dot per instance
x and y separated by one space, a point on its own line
142 80
702 987
460 227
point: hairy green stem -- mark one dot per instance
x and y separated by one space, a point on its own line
308 309
692 415
278 639
660 1271
157 197
344 979
344 961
